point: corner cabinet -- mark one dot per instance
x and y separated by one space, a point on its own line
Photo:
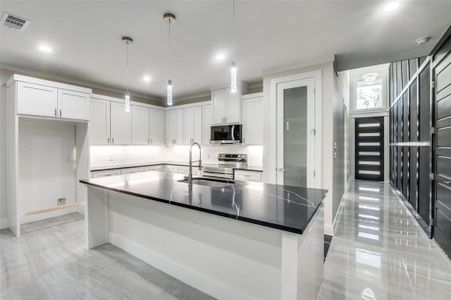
226 106
42 98
175 132
252 107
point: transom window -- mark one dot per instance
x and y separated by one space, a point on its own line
369 92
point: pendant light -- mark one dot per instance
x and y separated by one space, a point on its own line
233 67
170 19
127 40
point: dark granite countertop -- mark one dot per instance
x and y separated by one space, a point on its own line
287 208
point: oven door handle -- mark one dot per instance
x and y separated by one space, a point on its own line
233 132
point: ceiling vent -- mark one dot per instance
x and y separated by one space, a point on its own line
15 22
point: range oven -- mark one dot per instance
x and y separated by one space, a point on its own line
226 134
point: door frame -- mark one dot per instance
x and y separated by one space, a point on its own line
316 76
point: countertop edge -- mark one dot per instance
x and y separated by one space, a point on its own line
248 220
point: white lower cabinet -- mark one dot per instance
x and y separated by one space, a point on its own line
244 175
140 125
121 125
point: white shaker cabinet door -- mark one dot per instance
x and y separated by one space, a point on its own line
207 116
140 125
219 102
198 124
189 125
180 131
121 123
73 105
233 108
99 124
156 127
37 100
170 127
253 121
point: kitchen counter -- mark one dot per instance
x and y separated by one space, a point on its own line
286 208
242 240
172 163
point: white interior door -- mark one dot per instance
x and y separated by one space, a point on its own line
296 133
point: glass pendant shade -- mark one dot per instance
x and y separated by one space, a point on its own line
127 102
233 74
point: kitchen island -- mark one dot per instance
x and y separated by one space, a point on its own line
235 240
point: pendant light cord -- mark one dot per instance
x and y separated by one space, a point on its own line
233 29
126 64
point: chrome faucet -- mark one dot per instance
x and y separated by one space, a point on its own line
190 174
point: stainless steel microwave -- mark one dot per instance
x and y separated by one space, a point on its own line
226 134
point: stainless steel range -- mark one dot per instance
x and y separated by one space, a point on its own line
225 166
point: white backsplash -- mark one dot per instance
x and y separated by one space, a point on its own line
124 155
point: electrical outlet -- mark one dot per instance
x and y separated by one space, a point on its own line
61 201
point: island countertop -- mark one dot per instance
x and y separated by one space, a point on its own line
282 207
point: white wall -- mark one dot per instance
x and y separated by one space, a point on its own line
47 166
4 75
327 92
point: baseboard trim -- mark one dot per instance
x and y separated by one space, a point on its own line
4 223
51 213
191 277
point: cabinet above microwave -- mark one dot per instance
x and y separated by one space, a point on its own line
226 106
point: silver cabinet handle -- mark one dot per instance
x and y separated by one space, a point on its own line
151 141
112 140
107 140
56 112
61 114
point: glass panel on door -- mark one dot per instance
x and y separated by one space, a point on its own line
295 135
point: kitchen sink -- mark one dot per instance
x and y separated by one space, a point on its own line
213 182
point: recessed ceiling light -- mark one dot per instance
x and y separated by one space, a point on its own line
45 48
147 79
391 5
422 40
219 57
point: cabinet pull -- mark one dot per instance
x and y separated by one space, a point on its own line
112 140
151 141
107 140
61 114
56 112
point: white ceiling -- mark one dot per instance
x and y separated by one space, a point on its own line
86 36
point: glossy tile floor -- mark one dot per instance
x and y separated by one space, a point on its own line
379 251
49 262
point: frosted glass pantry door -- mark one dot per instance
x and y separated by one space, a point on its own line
296 133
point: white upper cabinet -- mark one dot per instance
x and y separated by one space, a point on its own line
226 106
140 125
253 120
37 100
171 127
73 105
207 118
193 125
180 123
219 102
121 123
99 124
156 127
43 98
233 107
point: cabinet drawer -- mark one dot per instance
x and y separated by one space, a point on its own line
37 100
248 176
